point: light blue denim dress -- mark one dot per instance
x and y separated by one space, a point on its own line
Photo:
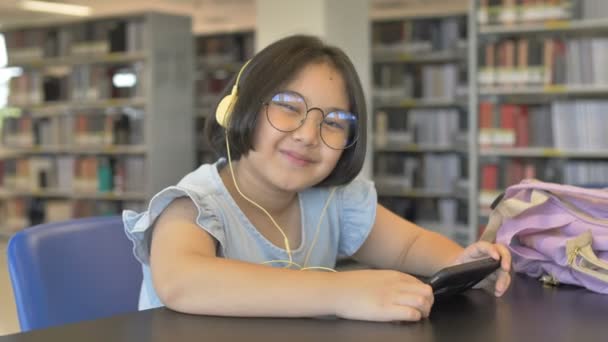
346 224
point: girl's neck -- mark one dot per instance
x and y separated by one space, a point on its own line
274 200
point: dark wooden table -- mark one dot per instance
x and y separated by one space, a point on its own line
528 312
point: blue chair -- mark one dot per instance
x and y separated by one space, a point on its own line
72 271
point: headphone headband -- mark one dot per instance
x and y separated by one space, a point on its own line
238 76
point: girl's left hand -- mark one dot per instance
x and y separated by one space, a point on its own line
498 282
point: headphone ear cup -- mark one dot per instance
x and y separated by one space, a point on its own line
224 109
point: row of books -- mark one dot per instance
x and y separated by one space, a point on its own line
209 88
97 129
68 174
435 127
589 173
429 171
578 124
446 216
395 82
218 58
509 12
418 36
212 81
18 213
222 49
498 175
563 124
544 61
76 83
75 39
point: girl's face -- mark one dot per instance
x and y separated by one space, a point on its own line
299 159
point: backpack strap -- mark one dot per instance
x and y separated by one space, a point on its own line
582 258
533 184
507 208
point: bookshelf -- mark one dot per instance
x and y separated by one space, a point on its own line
420 124
219 57
537 108
97 118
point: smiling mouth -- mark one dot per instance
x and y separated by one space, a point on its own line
297 158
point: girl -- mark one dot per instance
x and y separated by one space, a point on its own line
248 235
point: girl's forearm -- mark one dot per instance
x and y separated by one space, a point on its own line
217 286
430 253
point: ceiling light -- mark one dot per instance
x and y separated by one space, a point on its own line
124 79
55 7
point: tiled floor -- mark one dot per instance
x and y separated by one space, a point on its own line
8 314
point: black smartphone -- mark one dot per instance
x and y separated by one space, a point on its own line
456 279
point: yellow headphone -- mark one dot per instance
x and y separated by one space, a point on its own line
224 108
222 116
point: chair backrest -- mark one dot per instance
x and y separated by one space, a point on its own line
72 271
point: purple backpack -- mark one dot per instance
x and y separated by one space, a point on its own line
558 233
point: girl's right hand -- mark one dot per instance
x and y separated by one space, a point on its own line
382 295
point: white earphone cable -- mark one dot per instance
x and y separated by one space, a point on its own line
285 239
289 262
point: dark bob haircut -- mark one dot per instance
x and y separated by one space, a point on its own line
269 70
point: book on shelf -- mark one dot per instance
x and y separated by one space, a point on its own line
218 58
417 37
418 128
445 216
224 48
19 213
556 49
512 12
544 62
441 172
586 173
567 125
498 175
428 172
93 128
434 127
25 89
78 39
424 82
495 176
68 176
77 83
408 61
14 215
419 79
391 130
84 104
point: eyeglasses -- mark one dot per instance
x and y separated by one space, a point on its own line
286 111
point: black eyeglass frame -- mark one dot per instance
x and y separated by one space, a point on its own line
308 110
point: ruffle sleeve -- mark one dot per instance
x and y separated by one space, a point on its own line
357 201
138 225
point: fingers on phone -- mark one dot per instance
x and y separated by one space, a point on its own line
503 282
406 313
505 256
414 307
421 289
420 299
488 249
